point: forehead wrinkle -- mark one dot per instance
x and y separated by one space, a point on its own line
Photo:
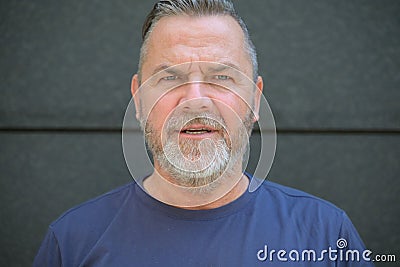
168 69
214 67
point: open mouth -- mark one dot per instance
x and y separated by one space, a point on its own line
197 130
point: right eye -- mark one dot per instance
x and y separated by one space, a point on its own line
222 77
169 78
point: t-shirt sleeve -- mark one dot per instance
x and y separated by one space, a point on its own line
354 253
49 252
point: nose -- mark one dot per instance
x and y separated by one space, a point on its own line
195 97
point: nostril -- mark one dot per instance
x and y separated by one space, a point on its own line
201 103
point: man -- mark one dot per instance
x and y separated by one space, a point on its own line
197 95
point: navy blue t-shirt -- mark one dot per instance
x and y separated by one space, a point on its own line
273 226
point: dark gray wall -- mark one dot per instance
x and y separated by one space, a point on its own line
332 79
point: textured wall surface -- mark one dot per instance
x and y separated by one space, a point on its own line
331 70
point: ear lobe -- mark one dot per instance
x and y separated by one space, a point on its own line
135 94
257 98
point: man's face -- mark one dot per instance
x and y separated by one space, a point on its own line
192 105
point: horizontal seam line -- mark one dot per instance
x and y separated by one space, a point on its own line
119 130
338 131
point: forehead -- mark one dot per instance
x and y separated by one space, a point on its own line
181 39
197 26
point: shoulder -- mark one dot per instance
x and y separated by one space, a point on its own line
303 218
291 194
72 236
94 213
298 203
300 214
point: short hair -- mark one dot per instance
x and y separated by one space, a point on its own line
196 8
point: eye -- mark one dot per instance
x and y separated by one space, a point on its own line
170 78
222 77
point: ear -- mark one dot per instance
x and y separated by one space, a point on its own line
257 97
135 94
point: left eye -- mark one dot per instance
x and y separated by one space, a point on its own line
170 78
222 77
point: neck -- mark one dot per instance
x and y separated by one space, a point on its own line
229 188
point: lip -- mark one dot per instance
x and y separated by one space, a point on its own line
198 127
198 131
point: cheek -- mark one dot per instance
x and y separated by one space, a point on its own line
159 112
234 115
232 107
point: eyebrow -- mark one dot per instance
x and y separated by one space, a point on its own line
220 67
225 64
160 68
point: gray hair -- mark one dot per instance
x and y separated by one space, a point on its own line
195 8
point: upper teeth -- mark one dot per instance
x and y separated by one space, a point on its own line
196 131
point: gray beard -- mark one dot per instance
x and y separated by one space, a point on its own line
198 165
